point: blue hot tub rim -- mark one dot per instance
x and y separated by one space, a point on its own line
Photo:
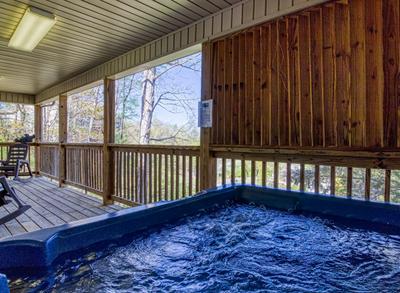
41 248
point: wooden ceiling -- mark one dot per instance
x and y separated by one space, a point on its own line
88 33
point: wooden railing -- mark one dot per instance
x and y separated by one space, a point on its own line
84 166
363 175
140 174
49 159
146 174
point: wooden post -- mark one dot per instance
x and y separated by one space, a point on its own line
62 137
109 135
208 176
38 135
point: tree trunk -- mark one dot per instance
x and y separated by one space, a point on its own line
147 105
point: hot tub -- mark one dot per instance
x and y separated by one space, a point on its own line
234 238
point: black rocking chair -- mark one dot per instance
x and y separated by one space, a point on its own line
6 190
16 160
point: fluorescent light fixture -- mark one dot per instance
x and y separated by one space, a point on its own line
32 28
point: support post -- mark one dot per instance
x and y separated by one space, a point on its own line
109 135
38 135
208 178
62 137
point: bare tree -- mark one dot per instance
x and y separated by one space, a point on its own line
170 99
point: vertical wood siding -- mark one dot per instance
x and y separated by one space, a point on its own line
236 17
324 77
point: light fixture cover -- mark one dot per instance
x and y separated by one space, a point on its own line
32 28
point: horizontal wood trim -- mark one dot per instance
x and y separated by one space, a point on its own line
346 158
17 98
81 186
125 201
41 173
234 18
82 145
158 149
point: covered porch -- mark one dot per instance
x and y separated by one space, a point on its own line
290 105
297 103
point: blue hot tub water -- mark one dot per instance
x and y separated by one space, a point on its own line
236 246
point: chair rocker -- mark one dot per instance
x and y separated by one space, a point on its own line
16 160
6 190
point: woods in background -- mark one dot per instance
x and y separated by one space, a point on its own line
50 122
15 121
159 105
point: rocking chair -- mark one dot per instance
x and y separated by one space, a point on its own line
6 190
16 160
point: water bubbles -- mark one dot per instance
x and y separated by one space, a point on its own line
237 248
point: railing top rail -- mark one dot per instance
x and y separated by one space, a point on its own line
156 148
48 144
357 159
84 145
6 144
351 152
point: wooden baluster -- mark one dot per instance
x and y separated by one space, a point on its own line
264 173
317 179
166 178
198 172
146 181
333 180
367 184
253 172
190 175
349 181
223 171
177 177
302 177
131 177
160 191
289 176
243 171
276 174
150 180
136 177
183 176
233 171
387 185
155 176
172 183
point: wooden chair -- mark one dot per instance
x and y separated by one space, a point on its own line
6 190
16 160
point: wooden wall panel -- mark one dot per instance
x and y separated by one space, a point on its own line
324 77
374 71
294 80
391 46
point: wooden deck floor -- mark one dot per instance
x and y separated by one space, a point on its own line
51 206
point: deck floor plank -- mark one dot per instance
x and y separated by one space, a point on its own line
50 206
76 197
